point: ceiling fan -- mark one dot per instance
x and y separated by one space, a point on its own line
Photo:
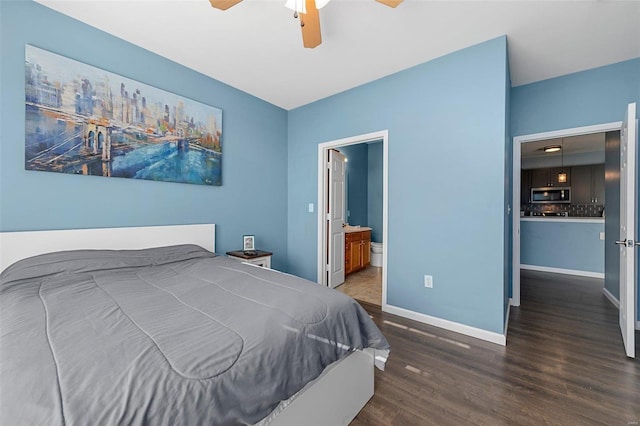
307 11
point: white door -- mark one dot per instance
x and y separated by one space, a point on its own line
335 218
627 244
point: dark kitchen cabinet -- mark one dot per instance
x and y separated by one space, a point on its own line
525 187
539 178
597 178
581 188
542 178
588 184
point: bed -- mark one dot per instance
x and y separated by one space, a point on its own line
170 334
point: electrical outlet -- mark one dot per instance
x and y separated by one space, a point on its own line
602 236
428 281
310 207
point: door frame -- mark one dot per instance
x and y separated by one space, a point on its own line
517 166
323 149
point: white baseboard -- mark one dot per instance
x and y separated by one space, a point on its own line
611 298
563 271
478 333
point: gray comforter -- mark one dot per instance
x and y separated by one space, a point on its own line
165 336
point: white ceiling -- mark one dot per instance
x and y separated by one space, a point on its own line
256 45
590 143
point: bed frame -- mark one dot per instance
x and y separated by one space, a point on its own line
334 398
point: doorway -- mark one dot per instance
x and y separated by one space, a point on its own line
627 284
327 259
518 148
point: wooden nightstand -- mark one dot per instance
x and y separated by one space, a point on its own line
260 258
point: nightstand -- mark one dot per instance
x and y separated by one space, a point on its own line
260 258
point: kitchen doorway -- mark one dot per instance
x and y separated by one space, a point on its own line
331 257
521 144
548 140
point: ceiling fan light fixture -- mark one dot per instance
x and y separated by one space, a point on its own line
552 148
300 6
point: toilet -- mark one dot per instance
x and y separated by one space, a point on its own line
376 254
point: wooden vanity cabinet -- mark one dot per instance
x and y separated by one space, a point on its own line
357 251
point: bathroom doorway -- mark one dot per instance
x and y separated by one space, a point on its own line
362 249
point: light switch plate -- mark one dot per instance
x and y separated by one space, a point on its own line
428 281
310 207
602 236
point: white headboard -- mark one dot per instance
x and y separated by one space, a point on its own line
16 246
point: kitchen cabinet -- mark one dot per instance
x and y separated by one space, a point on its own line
357 251
588 184
542 178
597 178
525 187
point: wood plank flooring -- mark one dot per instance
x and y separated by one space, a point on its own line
564 364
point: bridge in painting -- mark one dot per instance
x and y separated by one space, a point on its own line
97 137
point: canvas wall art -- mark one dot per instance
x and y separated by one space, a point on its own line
84 120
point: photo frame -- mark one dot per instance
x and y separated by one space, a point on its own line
248 243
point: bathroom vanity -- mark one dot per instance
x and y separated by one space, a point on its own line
357 250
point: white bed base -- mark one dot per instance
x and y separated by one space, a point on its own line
333 399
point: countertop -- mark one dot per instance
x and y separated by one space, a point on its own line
349 229
575 219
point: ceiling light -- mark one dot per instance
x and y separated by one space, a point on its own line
300 6
552 148
562 176
309 19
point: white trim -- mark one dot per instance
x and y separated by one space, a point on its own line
382 135
478 333
611 298
563 271
15 246
517 142
561 219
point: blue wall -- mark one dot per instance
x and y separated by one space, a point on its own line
445 115
374 186
565 245
253 197
357 190
595 96
364 186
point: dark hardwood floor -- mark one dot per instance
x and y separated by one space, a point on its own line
564 364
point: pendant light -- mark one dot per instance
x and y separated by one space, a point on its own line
562 176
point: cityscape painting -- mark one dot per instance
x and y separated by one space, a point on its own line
83 120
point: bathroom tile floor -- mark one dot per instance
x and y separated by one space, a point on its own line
364 285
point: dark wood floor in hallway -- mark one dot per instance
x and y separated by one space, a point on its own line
564 364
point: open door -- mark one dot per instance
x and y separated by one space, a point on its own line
335 218
628 137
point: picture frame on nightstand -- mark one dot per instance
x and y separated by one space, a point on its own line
248 244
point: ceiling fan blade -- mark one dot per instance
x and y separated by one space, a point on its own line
390 3
223 4
310 25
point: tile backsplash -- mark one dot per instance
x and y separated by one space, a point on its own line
577 210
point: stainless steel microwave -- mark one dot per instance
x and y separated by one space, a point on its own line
551 195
